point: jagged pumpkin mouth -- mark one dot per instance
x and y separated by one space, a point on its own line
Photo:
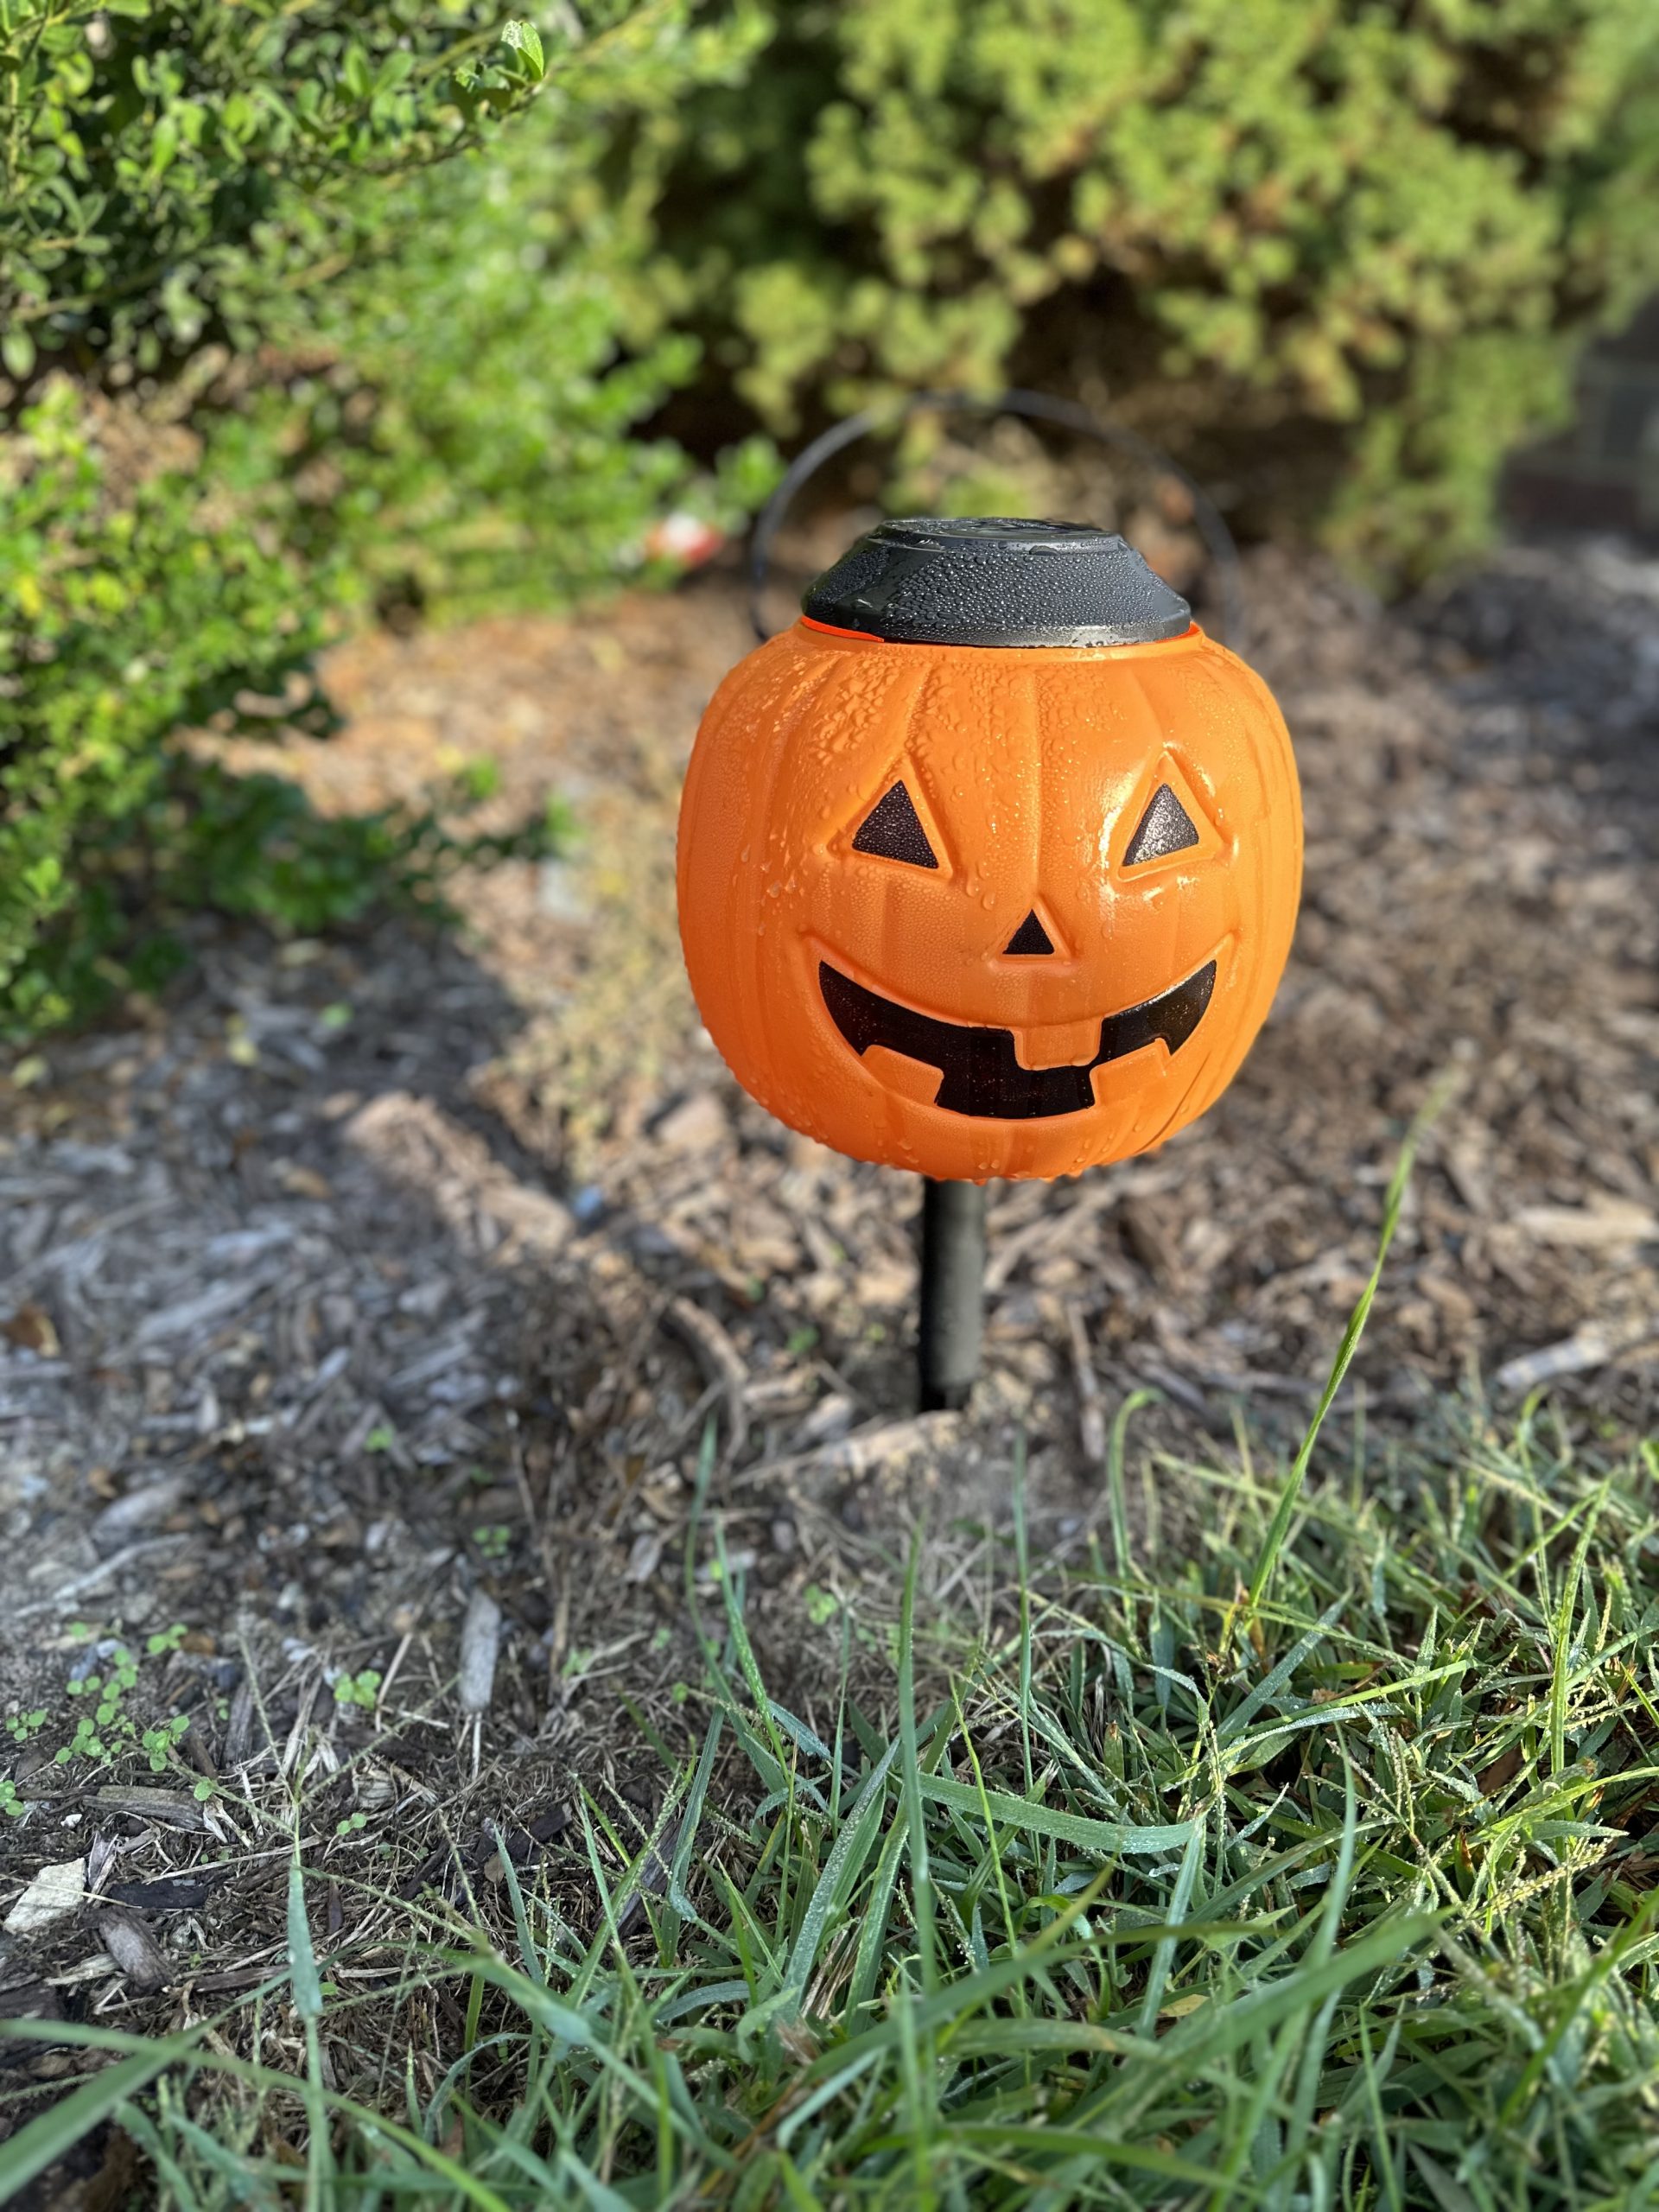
980 1071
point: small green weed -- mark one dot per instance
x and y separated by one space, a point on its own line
820 1607
159 1744
108 1733
362 1689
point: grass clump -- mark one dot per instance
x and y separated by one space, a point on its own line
1128 1890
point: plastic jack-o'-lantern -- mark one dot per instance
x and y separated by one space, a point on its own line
988 865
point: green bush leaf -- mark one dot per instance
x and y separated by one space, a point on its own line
525 40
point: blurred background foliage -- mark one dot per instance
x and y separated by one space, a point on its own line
314 312
1339 256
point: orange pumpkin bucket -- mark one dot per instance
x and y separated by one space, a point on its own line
988 865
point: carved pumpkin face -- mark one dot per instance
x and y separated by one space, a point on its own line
987 911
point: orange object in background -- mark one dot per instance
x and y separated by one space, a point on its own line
983 908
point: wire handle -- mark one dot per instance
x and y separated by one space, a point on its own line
1036 407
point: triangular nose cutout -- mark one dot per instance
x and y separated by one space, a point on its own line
1030 937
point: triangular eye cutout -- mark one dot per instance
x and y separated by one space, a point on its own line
1030 937
892 830
1165 828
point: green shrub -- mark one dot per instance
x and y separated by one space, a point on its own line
168 164
275 353
133 619
121 618
1342 255
470 441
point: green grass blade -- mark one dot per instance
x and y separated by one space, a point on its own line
916 1831
307 2003
1108 1838
1561 1654
1141 2158
1117 1498
877 1912
1285 1511
301 1959
690 1821
1163 1955
841 1869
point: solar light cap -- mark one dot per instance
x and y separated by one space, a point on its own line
996 580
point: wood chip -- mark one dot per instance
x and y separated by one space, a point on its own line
95 1576
31 1329
31 2001
1590 1347
480 1642
98 1968
172 1893
827 1423
1091 1414
188 1317
877 1445
163 1805
55 1892
721 1364
239 1728
491 1214
135 1950
644 1555
699 1123
1611 1222
1151 1242
104 1854
888 1441
139 1507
